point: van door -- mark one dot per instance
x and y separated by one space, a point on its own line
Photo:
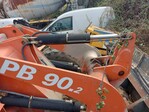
62 25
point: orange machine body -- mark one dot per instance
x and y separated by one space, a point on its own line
31 78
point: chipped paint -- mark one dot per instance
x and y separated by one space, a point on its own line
31 8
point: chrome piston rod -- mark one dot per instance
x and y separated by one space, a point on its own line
105 37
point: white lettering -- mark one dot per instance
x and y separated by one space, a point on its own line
68 84
26 72
9 65
51 79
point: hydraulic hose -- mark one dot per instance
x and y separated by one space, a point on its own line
40 103
66 65
40 32
63 38
75 38
23 48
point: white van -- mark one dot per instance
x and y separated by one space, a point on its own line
78 20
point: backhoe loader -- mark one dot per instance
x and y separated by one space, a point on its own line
31 82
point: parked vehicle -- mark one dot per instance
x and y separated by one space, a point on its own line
78 20
40 24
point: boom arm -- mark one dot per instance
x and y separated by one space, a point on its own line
76 85
82 87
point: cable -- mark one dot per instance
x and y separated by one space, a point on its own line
106 63
39 33
22 50
14 93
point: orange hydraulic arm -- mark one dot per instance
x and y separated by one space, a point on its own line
121 60
84 88
76 85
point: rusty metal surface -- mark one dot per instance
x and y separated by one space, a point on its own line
141 61
140 68
137 85
139 78
31 8
143 102
144 65
137 57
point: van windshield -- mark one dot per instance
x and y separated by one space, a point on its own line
61 25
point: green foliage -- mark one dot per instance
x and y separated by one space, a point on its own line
131 15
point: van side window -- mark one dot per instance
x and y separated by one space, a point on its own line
62 25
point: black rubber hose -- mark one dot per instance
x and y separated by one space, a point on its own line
43 32
66 65
40 103
23 48
63 38
40 32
